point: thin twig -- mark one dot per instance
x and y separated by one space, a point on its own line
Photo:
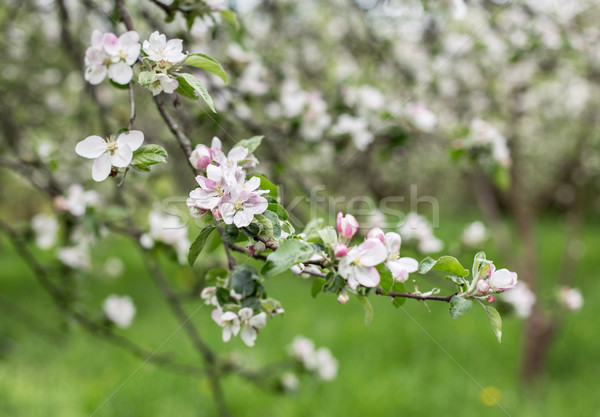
132 103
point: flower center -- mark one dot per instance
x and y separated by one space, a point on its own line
237 206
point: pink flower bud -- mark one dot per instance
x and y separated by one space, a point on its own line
376 233
482 287
491 298
343 298
216 214
340 250
347 226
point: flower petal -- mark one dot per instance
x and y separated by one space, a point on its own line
101 167
133 138
372 252
367 276
91 147
122 156
121 73
249 335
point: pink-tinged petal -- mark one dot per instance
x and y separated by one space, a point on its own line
101 167
130 38
91 147
367 276
206 183
96 75
122 156
203 162
216 145
256 204
111 44
121 73
216 316
227 211
133 139
376 233
252 184
237 154
410 264
372 252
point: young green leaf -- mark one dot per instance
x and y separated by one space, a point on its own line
495 321
317 286
386 279
148 155
251 144
275 223
329 236
289 253
364 301
279 210
207 63
229 16
191 87
198 244
459 306
445 263
244 280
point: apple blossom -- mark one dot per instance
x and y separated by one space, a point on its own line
474 234
343 298
251 324
521 298
502 279
327 365
347 226
571 298
482 287
358 267
114 151
119 309
111 55
399 267
166 53
229 321
169 230
77 200
209 295
45 227
289 381
340 250
76 257
240 205
200 157
159 82
113 267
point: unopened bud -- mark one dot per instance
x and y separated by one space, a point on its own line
347 226
491 298
343 298
482 287
340 250
216 214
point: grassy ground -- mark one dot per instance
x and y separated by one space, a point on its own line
407 362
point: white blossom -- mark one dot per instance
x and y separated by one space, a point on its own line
45 227
119 309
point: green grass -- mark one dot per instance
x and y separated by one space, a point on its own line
409 361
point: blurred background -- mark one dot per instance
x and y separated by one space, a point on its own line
464 125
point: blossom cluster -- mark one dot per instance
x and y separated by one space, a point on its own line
318 361
357 265
224 189
115 56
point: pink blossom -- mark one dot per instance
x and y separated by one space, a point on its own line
340 250
347 226
358 267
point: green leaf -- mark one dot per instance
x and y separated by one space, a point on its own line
230 233
445 263
251 144
191 87
334 283
279 210
208 63
495 321
198 244
364 301
459 306
329 236
148 155
289 253
244 280
251 230
387 280
479 261
265 184
276 224
317 286
229 16
460 281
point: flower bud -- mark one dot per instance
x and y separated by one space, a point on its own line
503 280
340 250
216 214
201 157
343 298
491 298
482 287
347 226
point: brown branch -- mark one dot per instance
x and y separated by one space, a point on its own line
414 296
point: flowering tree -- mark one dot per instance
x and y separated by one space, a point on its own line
239 209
